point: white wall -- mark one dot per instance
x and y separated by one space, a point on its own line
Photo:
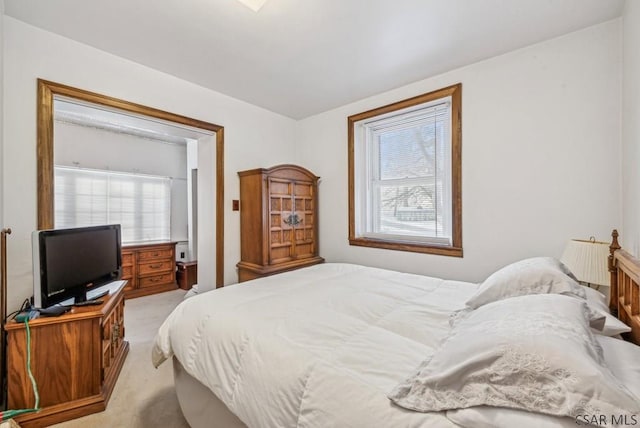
254 137
206 191
540 155
102 149
547 173
88 147
630 233
191 252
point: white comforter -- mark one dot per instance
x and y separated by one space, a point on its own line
318 347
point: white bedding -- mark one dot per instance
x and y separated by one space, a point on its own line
316 347
323 346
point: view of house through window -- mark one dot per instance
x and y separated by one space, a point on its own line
405 176
140 203
409 178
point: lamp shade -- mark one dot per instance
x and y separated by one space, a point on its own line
587 260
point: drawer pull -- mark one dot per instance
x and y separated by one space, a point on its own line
155 279
155 266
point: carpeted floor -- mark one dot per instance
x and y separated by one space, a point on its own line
143 397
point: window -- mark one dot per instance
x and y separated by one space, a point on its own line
141 204
405 175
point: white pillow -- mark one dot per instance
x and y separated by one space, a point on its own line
596 299
598 303
533 353
622 358
537 275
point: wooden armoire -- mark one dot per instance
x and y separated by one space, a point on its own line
278 220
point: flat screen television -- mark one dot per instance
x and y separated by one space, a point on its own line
69 262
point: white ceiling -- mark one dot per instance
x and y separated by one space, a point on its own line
302 57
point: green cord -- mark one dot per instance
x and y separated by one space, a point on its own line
9 414
33 380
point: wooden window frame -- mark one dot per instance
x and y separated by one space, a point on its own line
455 249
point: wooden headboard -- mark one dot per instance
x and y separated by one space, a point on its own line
625 288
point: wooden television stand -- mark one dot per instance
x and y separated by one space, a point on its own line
75 358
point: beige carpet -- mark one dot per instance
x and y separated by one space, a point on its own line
144 397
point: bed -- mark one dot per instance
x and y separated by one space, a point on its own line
336 345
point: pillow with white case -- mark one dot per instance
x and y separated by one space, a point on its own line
537 275
622 358
598 303
533 353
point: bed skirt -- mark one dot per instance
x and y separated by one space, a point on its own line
200 407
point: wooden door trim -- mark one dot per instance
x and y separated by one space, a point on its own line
46 92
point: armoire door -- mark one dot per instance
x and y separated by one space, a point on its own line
303 219
281 231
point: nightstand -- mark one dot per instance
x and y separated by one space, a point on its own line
187 274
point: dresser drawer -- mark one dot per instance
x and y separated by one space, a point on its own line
152 268
127 272
150 281
127 259
155 267
161 253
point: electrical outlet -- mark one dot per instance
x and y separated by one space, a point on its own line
235 204
182 254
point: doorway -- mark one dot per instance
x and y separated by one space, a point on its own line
82 132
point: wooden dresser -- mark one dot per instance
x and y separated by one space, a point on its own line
75 358
278 221
149 268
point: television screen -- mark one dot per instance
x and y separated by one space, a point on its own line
68 262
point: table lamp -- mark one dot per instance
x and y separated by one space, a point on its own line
587 260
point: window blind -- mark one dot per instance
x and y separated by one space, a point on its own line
140 203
